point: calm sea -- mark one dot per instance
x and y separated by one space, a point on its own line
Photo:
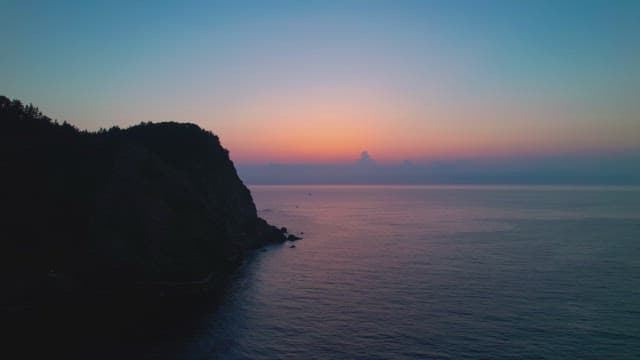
443 272
434 272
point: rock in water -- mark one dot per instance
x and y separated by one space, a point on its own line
292 237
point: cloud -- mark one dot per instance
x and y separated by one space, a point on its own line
365 158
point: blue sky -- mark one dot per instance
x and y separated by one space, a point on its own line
318 81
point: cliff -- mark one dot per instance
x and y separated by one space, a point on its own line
155 207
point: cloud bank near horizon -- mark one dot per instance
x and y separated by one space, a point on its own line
577 169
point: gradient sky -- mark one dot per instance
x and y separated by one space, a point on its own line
319 81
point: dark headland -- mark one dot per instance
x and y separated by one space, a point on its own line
117 219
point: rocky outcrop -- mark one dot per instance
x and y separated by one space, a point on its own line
118 209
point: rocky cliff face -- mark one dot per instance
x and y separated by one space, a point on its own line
151 204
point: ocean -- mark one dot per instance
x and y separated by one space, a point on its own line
436 272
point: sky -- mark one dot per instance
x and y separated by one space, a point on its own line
319 82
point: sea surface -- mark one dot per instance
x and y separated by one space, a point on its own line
441 272
436 272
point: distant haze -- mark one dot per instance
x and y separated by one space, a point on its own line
587 170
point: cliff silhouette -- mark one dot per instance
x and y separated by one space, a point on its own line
157 208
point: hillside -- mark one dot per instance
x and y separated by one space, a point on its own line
155 208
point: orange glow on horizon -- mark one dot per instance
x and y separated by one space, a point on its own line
323 127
